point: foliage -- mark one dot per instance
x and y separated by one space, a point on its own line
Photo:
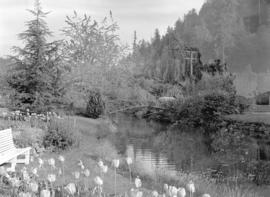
95 105
60 135
219 83
220 30
263 99
36 75
93 52
206 111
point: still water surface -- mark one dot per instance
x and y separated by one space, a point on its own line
153 150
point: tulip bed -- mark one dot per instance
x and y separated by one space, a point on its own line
42 180
30 182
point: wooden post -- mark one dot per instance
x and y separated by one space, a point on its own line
259 12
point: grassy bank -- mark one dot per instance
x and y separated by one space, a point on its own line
95 145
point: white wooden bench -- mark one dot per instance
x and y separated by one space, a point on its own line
8 151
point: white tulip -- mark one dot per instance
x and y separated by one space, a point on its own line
98 181
33 186
104 169
116 163
100 164
138 182
166 187
45 193
40 162
51 162
191 187
22 194
181 192
139 194
80 163
61 158
34 171
86 173
129 160
26 176
51 178
154 193
173 191
71 188
77 175
60 172
206 195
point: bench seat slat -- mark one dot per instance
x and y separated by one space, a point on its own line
5 157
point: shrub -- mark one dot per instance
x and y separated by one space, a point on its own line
206 111
95 104
61 135
263 99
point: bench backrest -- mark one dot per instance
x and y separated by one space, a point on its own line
6 141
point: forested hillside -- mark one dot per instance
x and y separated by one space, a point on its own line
235 31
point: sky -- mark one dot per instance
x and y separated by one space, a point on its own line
144 16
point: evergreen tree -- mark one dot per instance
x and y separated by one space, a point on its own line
36 74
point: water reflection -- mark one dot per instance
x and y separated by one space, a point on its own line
155 150
148 162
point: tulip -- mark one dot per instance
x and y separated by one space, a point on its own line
23 194
138 183
81 164
40 161
98 181
129 160
51 178
51 162
77 175
116 163
139 194
154 193
173 191
26 176
166 188
61 158
104 169
86 173
71 189
190 187
100 164
181 192
34 171
60 172
206 195
33 186
135 193
45 193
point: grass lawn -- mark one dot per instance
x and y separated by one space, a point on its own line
89 147
252 117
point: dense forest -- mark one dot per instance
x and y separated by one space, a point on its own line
235 31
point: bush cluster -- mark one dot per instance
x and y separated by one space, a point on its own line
61 135
95 104
206 111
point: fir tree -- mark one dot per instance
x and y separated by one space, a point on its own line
36 74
